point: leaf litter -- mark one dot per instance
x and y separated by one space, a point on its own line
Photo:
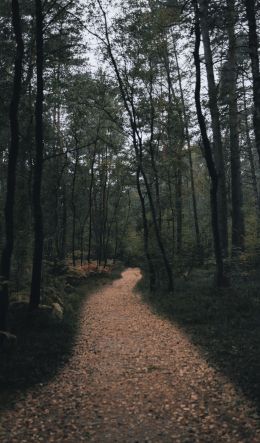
133 378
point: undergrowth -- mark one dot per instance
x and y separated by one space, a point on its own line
44 347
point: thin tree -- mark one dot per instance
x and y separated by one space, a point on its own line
73 203
208 154
215 118
90 200
38 167
5 266
253 52
238 228
250 152
187 136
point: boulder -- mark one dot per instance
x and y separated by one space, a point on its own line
47 314
57 311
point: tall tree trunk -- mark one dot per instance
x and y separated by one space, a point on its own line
90 202
38 167
208 154
172 216
158 236
110 226
253 52
187 136
116 242
152 148
238 228
249 148
215 118
146 233
73 205
82 235
120 238
105 198
178 209
170 129
64 224
5 266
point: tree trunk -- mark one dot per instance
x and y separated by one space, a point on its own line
215 118
119 238
90 203
187 136
152 150
6 257
82 235
208 155
64 224
178 153
178 210
253 52
73 205
105 198
110 226
249 148
38 167
116 243
172 217
146 233
238 228
158 236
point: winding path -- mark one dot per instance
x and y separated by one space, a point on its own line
134 377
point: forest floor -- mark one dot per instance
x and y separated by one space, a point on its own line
133 377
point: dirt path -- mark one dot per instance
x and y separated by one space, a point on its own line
133 378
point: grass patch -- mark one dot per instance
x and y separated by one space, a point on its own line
224 324
44 347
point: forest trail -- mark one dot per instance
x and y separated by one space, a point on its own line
134 377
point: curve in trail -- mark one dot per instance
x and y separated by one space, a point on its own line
134 377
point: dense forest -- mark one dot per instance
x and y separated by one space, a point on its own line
128 131
130 138
131 132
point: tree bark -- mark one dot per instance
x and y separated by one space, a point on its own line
5 267
38 167
249 148
152 148
178 210
187 136
146 233
63 248
178 153
73 205
208 154
238 227
253 52
90 202
215 118
172 216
